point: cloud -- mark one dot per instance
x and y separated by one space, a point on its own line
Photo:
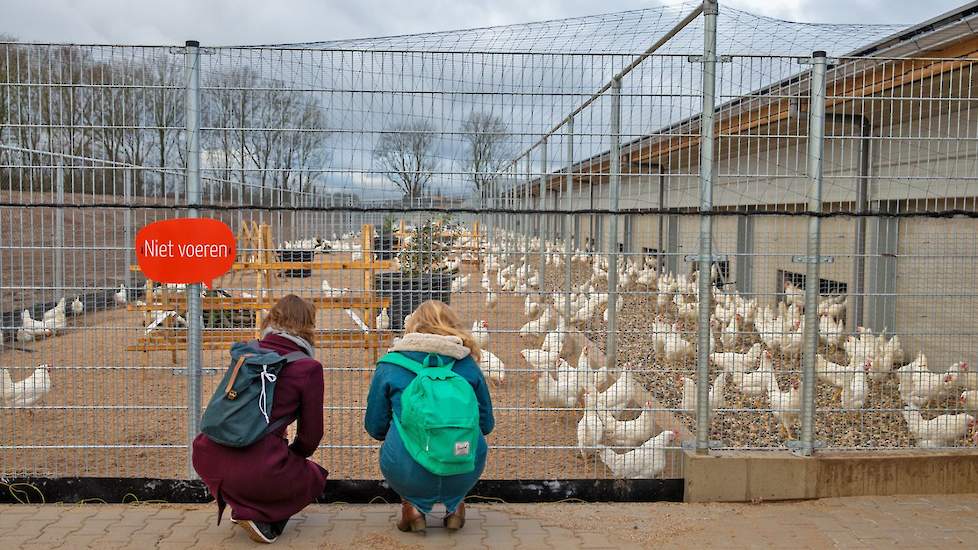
228 22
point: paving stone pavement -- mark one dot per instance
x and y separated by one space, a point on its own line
866 522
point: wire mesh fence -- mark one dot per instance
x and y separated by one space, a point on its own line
553 197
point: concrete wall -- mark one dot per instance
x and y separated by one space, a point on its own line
937 289
739 476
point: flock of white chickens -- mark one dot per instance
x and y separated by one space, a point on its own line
30 390
749 368
745 337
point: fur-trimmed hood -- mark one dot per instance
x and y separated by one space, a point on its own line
450 346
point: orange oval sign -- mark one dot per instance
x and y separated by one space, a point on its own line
185 250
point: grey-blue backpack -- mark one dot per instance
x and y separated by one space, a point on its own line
239 412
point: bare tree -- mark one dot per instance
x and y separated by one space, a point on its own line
166 112
487 149
407 155
273 139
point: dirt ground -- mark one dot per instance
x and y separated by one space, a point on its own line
112 412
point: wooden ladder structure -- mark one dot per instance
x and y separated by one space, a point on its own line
256 256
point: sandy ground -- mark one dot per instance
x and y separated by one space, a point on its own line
117 413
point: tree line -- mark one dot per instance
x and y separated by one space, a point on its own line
116 117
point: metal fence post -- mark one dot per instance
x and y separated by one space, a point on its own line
857 291
527 239
542 222
194 314
660 261
816 136
569 219
59 232
128 183
613 190
709 62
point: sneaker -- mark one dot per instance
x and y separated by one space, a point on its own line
279 526
259 532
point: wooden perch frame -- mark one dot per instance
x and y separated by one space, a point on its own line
256 254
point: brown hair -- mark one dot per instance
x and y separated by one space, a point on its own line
294 315
435 317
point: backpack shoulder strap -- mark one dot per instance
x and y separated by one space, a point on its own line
402 360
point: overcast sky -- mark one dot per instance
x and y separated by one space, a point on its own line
239 22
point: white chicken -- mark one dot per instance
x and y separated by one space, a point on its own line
624 392
689 396
554 340
672 347
55 312
964 376
831 373
32 389
77 306
856 387
628 433
492 368
383 320
781 334
552 394
460 283
830 331
755 383
6 386
58 320
919 385
794 295
732 332
31 329
160 316
939 431
333 293
687 311
785 405
538 327
540 359
589 427
644 462
531 308
574 379
120 298
480 332
732 361
969 400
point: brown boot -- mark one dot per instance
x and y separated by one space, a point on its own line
411 519
456 520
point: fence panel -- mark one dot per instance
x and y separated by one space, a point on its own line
367 165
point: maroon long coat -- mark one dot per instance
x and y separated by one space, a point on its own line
271 480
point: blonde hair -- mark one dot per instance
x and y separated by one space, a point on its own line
294 315
436 317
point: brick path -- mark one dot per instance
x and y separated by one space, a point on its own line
877 522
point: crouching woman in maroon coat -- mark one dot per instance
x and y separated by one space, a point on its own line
270 480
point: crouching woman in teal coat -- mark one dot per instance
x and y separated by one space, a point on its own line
432 331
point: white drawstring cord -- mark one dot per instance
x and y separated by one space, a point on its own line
262 404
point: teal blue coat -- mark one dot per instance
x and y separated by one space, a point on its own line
408 478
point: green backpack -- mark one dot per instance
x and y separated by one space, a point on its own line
439 421
238 413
